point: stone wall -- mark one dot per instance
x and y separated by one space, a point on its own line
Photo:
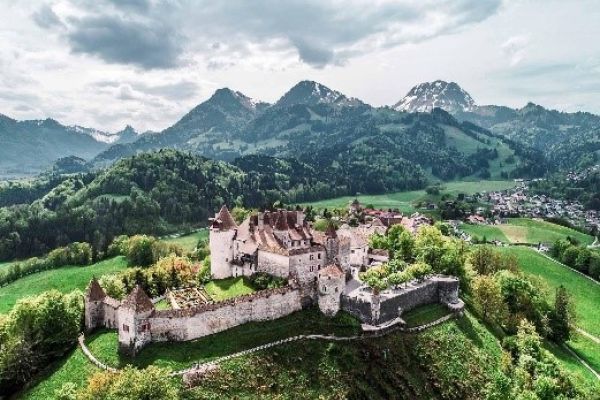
273 264
305 267
391 304
101 313
206 319
330 290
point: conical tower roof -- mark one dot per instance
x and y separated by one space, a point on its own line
224 220
94 291
138 300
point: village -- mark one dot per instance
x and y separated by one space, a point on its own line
496 206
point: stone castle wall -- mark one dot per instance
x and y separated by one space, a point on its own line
273 264
391 304
330 290
206 319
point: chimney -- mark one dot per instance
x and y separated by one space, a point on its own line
300 218
261 221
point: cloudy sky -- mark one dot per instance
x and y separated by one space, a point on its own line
108 63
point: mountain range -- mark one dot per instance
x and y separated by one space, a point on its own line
29 147
571 138
436 128
328 130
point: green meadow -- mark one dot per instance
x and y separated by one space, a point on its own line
64 279
584 293
405 200
188 242
526 230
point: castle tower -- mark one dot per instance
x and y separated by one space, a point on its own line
331 284
94 305
221 236
134 326
332 244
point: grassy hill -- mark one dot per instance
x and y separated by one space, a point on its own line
404 200
64 279
526 230
457 359
584 292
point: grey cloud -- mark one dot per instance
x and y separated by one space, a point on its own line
154 34
313 55
147 45
46 18
135 5
325 32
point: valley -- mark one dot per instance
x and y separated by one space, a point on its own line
133 210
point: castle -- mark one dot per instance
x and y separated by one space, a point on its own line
280 243
321 269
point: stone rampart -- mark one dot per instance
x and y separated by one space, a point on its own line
206 319
392 303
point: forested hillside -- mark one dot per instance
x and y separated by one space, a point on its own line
324 128
159 192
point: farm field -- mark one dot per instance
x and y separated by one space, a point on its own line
64 279
404 200
526 230
489 232
188 242
224 289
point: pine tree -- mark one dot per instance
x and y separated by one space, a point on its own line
562 316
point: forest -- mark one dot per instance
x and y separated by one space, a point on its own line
165 191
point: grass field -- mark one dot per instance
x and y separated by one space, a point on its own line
585 295
424 314
64 279
526 230
489 232
224 289
546 232
404 200
188 242
74 368
586 349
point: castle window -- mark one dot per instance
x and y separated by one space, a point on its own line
312 257
319 256
319 267
311 268
125 328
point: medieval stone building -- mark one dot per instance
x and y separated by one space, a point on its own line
280 243
320 268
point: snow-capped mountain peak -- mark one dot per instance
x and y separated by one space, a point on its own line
428 95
